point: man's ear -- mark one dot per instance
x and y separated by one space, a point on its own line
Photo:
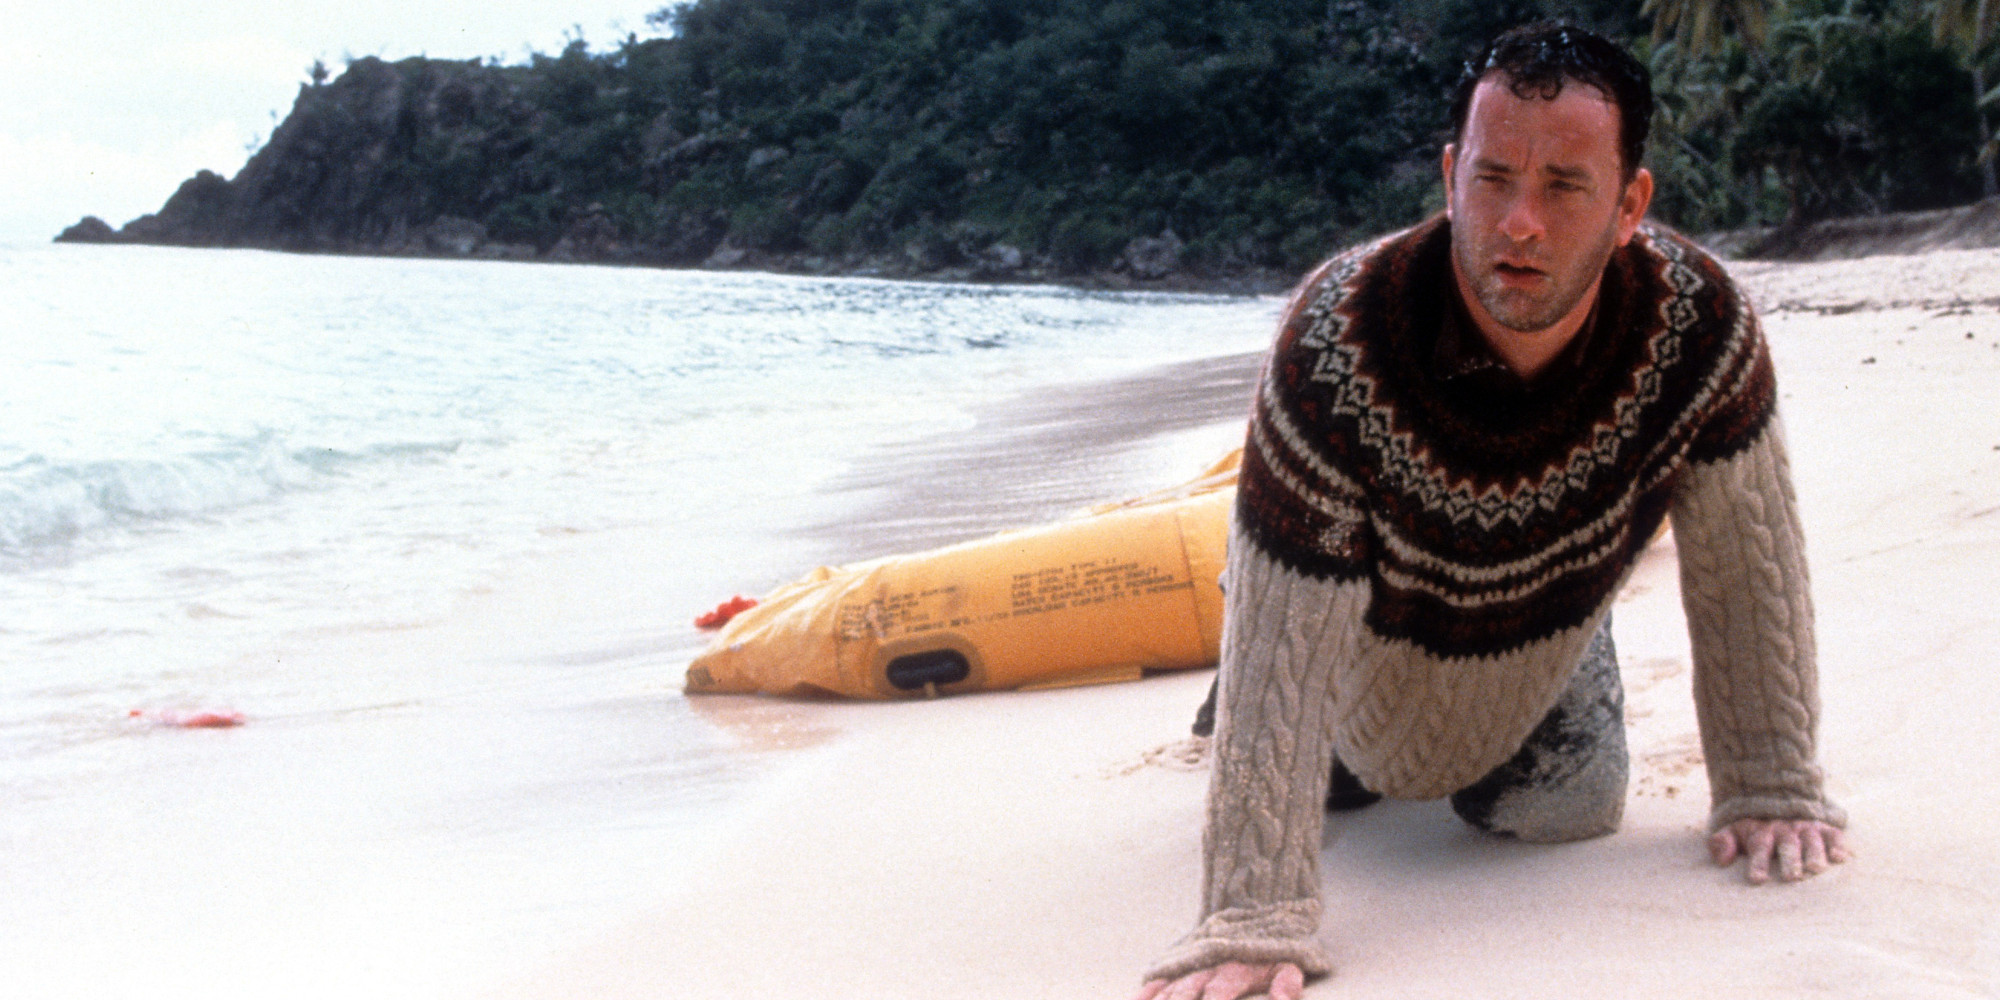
1449 159
1632 204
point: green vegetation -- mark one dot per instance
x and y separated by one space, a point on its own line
1809 109
1260 133
1047 136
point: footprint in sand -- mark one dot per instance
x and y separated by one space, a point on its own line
1663 769
1190 754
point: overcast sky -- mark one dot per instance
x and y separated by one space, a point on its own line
107 105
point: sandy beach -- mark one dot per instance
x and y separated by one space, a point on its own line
1046 844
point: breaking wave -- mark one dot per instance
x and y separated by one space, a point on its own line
48 505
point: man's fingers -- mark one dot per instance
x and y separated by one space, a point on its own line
1799 847
1791 864
1190 986
1813 837
1289 983
1229 981
1235 979
1722 846
1763 842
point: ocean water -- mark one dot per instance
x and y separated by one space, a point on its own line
435 528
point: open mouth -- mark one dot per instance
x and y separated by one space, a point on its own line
1514 273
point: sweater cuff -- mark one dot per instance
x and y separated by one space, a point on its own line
1741 807
1261 936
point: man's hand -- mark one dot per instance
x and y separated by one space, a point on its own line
1802 847
1229 981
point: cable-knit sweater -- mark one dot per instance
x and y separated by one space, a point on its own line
1415 572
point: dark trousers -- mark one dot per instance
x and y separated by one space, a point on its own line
1567 782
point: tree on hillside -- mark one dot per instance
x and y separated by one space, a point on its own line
1701 26
1968 27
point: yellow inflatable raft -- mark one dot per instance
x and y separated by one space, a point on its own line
1124 589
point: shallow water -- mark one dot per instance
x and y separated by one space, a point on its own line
436 529
200 450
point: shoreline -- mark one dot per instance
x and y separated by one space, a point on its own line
1078 445
1971 226
1245 282
1025 459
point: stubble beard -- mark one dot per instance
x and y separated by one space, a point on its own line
1527 312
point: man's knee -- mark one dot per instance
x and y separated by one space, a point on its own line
1590 804
1568 780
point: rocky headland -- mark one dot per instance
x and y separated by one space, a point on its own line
430 158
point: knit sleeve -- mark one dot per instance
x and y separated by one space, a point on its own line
1282 632
1750 622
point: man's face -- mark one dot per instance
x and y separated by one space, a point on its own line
1537 202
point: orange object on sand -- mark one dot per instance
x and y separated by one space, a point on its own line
1125 589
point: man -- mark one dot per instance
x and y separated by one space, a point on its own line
1465 435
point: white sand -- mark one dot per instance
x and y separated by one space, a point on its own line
1041 845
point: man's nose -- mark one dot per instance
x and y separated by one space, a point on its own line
1523 219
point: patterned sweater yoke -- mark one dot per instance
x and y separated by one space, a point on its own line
1480 529
1415 571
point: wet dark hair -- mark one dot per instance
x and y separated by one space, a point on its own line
1538 59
